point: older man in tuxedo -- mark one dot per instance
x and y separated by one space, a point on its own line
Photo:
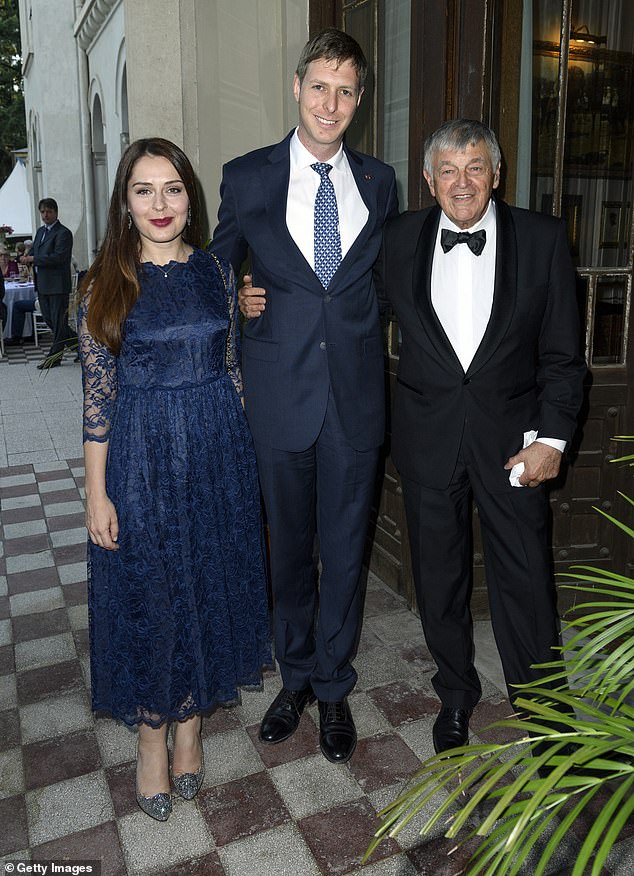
50 257
489 385
309 213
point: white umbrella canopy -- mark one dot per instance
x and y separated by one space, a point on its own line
15 202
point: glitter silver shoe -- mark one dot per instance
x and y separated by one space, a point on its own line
189 784
159 806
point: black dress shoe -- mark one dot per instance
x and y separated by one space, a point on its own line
282 716
451 728
337 733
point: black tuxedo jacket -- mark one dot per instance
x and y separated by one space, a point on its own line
309 340
52 258
528 371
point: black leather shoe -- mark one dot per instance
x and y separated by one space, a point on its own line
337 733
282 716
451 728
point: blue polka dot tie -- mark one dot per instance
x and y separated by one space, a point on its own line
327 240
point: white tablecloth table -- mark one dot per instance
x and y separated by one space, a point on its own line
17 292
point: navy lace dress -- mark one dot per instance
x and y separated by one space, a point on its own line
178 615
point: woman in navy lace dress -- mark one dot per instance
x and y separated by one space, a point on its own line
177 596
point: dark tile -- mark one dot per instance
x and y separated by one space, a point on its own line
68 495
75 462
34 579
404 701
21 515
7 659
9 471
80 481
381 761
304 741
43 477
488 711
5 609
339 837
99 843
209 865
70 553
82 642
121 781
40 624
55 760
14 835
9 729
38 684
28 544
242 808
75 594
440 857
66 521
219 721
18 490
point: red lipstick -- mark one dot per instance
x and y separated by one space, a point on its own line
161 223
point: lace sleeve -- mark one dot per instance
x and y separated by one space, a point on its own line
99 379
232 352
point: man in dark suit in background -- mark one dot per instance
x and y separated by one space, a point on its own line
489 385
50 257
309 212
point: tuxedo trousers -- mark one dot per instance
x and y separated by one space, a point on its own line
326 491
521 591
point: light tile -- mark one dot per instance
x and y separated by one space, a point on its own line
72 573
27 527
17 480
278 852
368 719
68 536
254 703
44 652
36 601
117 743
410 836
397 865
79 471
11 772
4 589
28 562
78 617
6 632
67 807
56 465
55 716
31 457
312 784
230 755
418 735
380 665
57 509
54 486
8 692
395 627
31 500
151 846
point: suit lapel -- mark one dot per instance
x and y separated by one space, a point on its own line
421 288
367 186
504 290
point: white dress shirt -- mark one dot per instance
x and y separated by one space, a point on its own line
300 202
462 286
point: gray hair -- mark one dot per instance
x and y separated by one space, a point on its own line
458 134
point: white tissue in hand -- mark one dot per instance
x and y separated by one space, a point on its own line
518 469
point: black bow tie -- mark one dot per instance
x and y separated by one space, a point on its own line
475 241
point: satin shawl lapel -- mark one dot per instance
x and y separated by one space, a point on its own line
505 288
421 288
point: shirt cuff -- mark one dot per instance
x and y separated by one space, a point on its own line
557 443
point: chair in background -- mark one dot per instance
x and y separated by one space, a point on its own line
39 324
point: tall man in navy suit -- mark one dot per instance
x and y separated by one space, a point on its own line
50 256
489 385
309 212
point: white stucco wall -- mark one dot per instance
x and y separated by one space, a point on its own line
51 95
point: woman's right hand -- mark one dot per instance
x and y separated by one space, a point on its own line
102 523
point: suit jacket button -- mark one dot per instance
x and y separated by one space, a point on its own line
322 346
327 298
466 381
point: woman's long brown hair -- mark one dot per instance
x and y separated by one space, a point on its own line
112 277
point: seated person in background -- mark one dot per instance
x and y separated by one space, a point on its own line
20 309
8 266
3 306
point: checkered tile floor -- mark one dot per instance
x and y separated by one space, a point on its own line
67 780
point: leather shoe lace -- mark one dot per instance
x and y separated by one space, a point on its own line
282 716
337 733
451 728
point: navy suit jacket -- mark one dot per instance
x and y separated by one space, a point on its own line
309 340
52 258
526 374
